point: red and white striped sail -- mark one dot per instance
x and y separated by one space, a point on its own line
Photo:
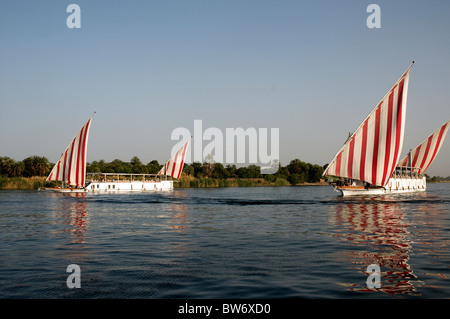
174 165
71 167
424 154
373 151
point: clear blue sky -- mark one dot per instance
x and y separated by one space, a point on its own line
313 69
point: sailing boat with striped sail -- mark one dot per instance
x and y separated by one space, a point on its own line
174 165
71 167
368 163
71 170
421 157
125 182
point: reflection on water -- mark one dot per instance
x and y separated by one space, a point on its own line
73 216
225 243
378 233
179 220
389 231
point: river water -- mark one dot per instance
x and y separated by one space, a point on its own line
258 242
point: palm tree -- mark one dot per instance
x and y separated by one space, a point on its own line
137 166
16 169
41 165
153 167
5 165
135 161
36 166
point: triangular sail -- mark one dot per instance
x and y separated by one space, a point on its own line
425 153
71 167
174 165
372 152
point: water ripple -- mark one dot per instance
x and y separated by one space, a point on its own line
284 242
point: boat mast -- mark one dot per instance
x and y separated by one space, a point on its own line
336 161
410 163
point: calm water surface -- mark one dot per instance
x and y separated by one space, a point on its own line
280 242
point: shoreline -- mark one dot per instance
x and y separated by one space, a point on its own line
22 183
36 182
192 182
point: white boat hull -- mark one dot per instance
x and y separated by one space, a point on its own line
394 186
135 186
64 190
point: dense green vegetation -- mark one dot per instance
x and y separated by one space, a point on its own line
30 173
26 174
194 175
437 179
31 166
296 172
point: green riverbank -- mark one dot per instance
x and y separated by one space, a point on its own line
34 183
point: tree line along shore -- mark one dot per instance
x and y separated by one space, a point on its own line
31 173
